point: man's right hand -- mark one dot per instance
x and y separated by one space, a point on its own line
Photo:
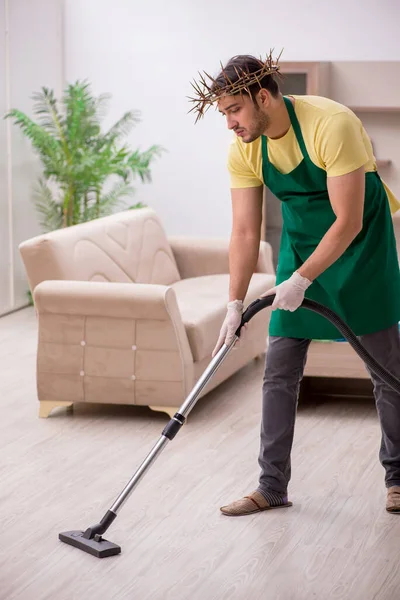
229 326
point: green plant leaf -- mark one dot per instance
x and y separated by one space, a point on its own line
49 209
42 141
139 163
123 126
110 201
137 205
50 117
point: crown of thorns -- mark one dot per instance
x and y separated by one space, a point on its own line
206 94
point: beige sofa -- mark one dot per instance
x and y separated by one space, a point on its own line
129 316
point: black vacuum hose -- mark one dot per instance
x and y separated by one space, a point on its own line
329 314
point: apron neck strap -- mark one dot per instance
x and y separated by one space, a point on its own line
296 126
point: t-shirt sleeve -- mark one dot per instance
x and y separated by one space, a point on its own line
340 144
240 172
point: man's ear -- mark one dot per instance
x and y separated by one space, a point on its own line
263 98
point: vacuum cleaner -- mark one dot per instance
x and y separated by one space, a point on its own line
91 540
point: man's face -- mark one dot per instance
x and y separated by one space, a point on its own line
245 118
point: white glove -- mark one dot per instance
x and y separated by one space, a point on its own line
289 293
229 326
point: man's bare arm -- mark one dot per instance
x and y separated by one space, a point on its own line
346 193
245 239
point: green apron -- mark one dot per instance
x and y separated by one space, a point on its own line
363 285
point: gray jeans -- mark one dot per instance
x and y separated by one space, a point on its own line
285 362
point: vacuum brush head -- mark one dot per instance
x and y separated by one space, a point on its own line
96 546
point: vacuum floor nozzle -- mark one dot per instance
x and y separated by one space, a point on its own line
96 546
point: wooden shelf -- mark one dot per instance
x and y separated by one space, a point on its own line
375 109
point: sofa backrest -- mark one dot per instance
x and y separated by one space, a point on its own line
129 246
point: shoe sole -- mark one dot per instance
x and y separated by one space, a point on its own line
251 512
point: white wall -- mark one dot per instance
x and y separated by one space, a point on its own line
145 54
30 57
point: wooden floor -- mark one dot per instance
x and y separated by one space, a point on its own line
336 542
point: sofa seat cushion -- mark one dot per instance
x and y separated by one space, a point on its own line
202 303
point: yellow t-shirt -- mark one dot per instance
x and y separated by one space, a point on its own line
334 136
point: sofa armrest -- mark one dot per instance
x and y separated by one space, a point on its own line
106 299
204 256
143 303
97 336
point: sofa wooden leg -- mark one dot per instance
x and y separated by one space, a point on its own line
170 410
46 406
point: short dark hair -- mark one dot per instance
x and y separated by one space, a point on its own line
248 64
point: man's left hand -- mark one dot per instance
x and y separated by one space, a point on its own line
290 293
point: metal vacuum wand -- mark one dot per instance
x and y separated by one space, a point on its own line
174 425
91 540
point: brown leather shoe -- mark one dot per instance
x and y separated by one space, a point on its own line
393 499
254 502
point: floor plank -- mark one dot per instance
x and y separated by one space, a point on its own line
64 472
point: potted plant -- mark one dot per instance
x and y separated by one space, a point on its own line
87 172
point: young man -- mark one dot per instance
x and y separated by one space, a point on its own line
337 247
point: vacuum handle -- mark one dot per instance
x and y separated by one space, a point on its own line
253 308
